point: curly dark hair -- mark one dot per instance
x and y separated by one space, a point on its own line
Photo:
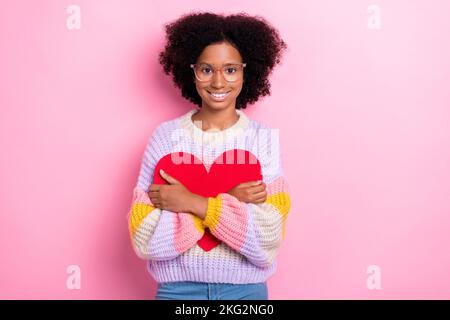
256 40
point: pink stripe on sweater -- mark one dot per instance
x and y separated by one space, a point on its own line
276 186
185 231
234 217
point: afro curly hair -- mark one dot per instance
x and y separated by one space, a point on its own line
258 43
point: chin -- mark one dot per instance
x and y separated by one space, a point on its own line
214 105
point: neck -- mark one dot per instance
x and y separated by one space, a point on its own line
216 119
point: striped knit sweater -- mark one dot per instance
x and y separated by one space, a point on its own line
250 234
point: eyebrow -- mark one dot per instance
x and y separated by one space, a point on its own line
225 64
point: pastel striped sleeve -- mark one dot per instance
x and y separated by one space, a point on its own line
254 230
158 234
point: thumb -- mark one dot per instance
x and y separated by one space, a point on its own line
168 178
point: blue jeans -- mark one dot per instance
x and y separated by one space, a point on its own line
188 290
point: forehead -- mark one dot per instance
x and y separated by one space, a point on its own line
220 53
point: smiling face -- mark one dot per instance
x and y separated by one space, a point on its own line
211 92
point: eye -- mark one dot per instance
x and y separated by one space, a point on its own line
231 70
205 69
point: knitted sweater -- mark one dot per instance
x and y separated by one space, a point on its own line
248 236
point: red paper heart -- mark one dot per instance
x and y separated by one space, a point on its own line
228 170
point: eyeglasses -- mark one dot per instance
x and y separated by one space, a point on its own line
231 72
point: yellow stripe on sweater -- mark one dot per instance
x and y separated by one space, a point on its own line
282 202
138 213
198 223
213 212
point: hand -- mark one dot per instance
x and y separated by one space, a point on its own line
250 192
172 197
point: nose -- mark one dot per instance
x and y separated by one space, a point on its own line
217 80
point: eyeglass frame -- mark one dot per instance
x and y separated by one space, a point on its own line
192 65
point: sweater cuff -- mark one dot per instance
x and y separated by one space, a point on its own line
213 212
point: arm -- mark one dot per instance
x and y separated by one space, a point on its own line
254 230
158 234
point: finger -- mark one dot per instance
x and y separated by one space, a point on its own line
154 203
168 178
157 204
256 183
154 187
249 184
153 196
154 200
256 189
259 195
260 200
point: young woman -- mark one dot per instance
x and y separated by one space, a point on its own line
210 204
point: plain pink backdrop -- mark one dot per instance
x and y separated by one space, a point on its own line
364 125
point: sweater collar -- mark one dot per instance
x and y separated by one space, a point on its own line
214 136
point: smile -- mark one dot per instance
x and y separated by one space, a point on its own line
219 96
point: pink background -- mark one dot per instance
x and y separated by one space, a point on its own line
364 123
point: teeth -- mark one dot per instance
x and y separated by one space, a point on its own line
218 95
